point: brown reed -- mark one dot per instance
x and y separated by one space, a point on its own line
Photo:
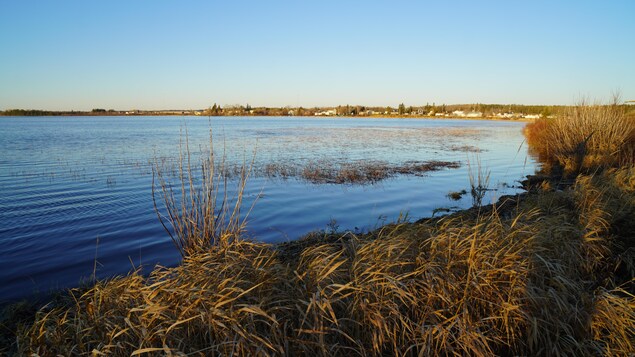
199 210
585 137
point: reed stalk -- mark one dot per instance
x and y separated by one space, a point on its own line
199 211
479 181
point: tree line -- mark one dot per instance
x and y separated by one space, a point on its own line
427 110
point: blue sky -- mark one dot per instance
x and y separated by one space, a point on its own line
64 55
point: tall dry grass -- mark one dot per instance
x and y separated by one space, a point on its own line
479 180
199 209
585 137
550 276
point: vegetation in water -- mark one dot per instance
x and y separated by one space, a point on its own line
359 172
198 211
456 195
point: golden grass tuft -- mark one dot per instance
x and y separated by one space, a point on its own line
224 301
613 322
199 211
585 137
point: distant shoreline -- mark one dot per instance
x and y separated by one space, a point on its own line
458 111
317 117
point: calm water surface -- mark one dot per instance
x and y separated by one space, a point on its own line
76 191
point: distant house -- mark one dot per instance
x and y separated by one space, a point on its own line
458 113
505 115
474 115
327 113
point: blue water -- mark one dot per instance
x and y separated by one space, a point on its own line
76 191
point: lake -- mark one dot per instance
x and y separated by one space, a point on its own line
76 191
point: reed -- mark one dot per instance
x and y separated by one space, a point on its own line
585 137
199 210
479 181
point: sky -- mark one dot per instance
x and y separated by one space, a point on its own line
159 54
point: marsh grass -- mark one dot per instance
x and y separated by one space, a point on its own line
358 172
585 137
200 209
543 276
479 181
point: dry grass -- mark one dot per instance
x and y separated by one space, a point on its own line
479 181
549 275
586 137
199 212
222 301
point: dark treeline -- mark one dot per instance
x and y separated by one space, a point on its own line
39 113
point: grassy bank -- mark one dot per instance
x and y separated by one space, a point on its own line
586 138
550 272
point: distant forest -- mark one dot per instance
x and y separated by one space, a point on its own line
39 113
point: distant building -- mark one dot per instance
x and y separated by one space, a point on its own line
506 115
474 115
330 112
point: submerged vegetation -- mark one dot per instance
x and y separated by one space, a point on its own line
549 272
456 195
360 172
